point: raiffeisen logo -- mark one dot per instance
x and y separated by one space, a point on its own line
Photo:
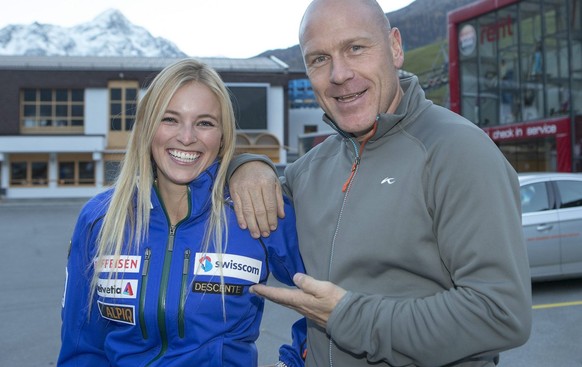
233 266
123 263
205 263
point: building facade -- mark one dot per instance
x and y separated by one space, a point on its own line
65 121
515 70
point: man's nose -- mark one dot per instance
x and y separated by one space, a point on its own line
341 71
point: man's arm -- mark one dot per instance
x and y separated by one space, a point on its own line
256 192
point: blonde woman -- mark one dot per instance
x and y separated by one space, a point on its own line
159 271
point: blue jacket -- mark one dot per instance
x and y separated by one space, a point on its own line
166 307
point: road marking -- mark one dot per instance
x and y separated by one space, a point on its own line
554 305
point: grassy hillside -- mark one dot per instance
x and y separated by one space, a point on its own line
429 63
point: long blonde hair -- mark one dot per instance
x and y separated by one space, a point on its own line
128 215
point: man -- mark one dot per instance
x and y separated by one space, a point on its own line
409 218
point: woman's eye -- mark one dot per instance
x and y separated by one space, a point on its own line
168 119
206 123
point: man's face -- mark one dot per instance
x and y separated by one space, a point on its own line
352 63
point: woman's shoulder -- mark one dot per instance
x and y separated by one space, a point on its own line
97 205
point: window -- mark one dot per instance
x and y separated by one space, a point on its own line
18 173
532 155
47 110
570 193
122 105
29 170
250 106
519 63
534 198
75 170
112 164
309 129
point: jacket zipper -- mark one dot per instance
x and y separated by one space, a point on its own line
163 293
142 292
345 189
358 156
183 292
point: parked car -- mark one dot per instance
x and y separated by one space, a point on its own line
552 223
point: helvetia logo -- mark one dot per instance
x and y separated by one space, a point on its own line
117 288
128 291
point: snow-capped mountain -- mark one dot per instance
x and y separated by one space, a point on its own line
109 34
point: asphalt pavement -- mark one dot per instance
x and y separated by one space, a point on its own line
34 238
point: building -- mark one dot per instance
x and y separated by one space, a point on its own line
516 71
65 121
301 94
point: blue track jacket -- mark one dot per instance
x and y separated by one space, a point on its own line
166 308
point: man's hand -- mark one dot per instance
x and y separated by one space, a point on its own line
315 299
256 192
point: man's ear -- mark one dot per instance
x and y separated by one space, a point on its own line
396 47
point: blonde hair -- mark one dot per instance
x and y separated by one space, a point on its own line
128 215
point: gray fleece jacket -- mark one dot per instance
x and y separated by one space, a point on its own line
427 239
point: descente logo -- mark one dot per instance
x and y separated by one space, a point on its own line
234 266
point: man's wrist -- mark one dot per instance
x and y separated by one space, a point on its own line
243 158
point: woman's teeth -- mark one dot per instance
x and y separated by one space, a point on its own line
184 156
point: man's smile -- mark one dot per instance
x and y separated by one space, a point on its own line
350 97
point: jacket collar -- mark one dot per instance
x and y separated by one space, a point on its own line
412 104
199 191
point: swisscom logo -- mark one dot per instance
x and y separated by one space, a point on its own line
234 266
205 263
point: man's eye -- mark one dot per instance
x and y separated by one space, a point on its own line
318 60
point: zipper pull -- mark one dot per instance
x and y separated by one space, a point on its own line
354 167
171 238
359 154
146 261
186 262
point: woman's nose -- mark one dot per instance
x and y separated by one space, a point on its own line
187 134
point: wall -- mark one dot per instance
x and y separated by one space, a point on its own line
298 118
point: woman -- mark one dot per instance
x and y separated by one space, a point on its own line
159 271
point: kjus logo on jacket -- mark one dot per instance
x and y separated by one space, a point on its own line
233 266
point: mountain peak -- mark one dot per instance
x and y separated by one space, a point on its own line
112 18
108 34
111 13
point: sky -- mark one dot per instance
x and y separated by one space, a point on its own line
203 28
